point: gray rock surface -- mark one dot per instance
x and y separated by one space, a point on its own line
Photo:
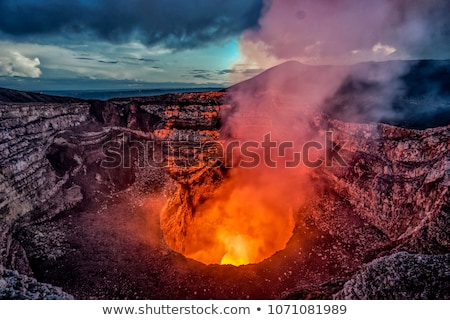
396 178
15 286
400 276
31 187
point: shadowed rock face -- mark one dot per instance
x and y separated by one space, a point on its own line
393 196
14 286
35 182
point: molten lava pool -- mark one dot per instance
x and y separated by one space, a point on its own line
238 226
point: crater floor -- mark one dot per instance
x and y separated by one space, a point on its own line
112 248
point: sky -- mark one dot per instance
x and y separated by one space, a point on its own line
128 44
53 44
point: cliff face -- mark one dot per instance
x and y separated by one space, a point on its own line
397 180
34 182
393 195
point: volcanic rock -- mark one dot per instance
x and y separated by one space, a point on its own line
397 179
400 276
15 286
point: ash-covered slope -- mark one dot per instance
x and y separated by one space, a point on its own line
411 93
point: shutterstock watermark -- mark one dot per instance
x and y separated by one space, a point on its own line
229 154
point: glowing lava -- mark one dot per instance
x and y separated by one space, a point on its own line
237 250
245 219
239 226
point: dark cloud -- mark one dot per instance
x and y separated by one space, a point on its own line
147 60
246 72
175 24
199 74
225 71
196 71
98 60
202 76
212 74
108 62
139 61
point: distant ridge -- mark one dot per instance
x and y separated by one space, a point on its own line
418 96
16 96
285 75
67 96
407 93
423 76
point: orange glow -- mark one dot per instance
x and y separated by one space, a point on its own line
237 250
238 226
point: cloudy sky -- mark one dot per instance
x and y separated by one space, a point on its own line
102 44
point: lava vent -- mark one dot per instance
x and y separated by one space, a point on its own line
240 223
